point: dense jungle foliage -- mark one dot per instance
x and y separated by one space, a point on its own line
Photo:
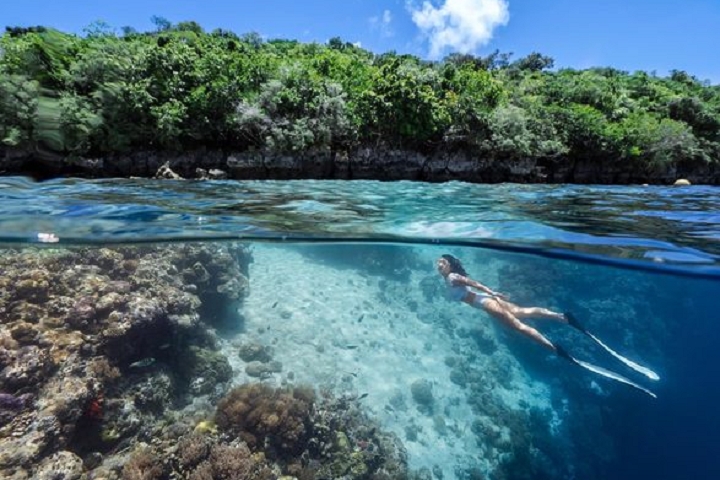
180 87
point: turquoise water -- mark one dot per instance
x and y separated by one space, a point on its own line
131 308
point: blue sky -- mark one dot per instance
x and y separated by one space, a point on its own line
650 35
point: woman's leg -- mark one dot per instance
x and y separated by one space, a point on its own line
533 312
505 315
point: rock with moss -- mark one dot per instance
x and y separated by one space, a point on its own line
204 369
61 465
254 352
262 370
421 391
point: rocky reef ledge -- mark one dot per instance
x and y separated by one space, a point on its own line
110 369
370 163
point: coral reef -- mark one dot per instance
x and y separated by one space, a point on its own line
311 436
104 352
61 465
144 464
198 457
201 460
97 344
261 415
292 434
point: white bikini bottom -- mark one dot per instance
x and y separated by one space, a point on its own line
480 298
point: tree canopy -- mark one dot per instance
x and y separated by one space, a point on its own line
180 87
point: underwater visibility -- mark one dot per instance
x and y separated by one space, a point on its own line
157 329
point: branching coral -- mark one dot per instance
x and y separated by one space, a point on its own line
311 436
192 450
144 464
263 415
229 462
199 457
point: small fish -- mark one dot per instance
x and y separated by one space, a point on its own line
362 396
360 318
351 347
164 346
274 305
145 362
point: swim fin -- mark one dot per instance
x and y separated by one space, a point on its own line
573 321
635 366
562 353
612 375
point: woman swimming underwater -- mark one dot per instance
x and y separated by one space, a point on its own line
463 288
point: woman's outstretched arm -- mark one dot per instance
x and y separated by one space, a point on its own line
459 279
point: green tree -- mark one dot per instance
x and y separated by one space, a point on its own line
297 111
658 145
470 97
405 104
18 110
79 123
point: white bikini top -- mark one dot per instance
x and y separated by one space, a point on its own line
456 292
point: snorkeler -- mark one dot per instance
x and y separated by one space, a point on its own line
463 288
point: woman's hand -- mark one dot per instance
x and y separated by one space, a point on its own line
501 296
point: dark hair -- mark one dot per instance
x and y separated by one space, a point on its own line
455 265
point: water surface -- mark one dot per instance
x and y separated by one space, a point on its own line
336 280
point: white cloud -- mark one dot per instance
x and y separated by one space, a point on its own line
460 25
382 23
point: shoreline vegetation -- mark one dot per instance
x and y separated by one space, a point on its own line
180 100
